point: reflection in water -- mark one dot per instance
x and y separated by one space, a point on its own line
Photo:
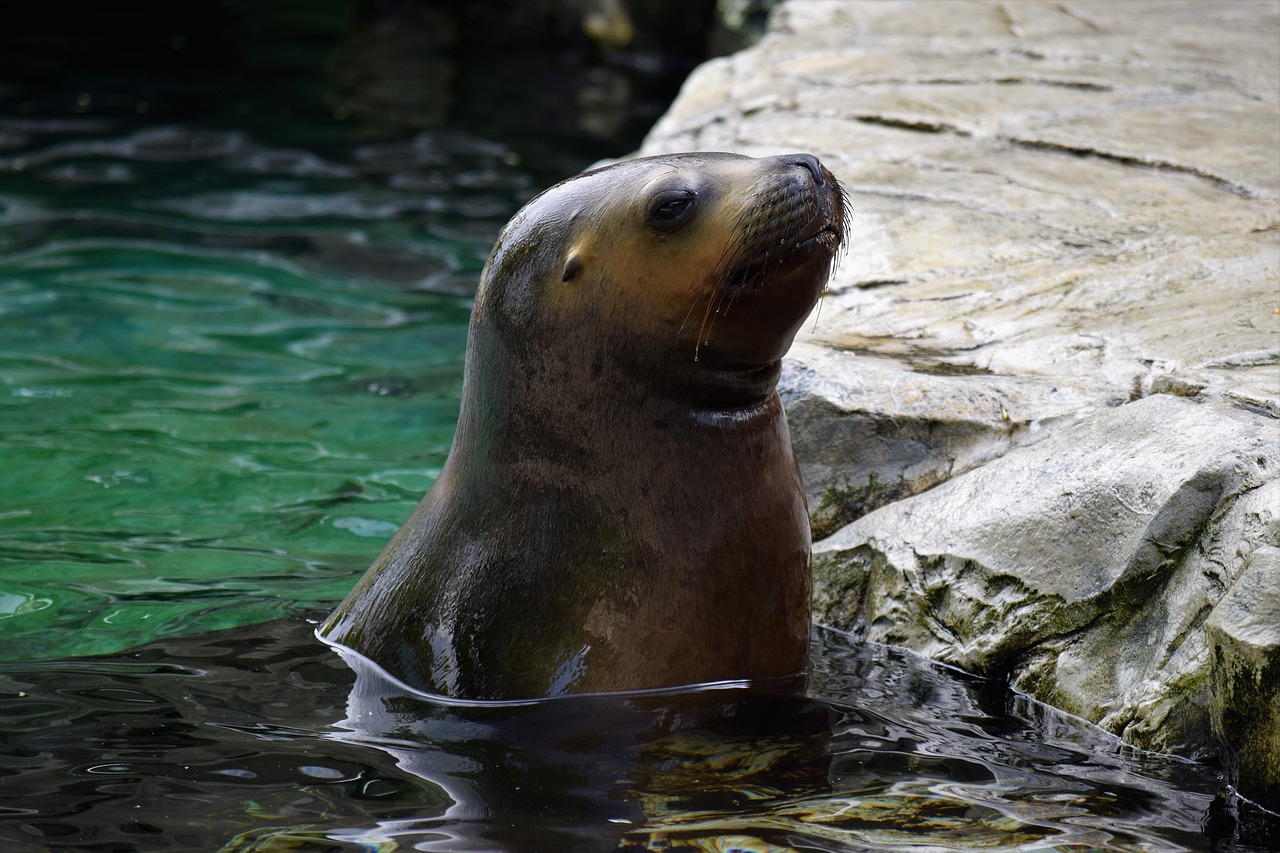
263 739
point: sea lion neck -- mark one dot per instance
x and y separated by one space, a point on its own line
511 390
707 388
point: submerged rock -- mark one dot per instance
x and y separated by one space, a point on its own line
1041 401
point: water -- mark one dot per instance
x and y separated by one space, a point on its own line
230 364
227 371
263 739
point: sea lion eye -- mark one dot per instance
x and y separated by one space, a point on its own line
671 209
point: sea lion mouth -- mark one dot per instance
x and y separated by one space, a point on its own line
799 220
753 272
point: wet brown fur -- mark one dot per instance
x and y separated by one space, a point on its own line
621 509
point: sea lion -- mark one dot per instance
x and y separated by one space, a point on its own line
621 508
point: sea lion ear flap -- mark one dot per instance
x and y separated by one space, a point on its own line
572 267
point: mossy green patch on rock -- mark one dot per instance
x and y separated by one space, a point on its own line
846 503
840 582
1244 633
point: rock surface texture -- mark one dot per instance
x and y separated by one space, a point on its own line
1038 413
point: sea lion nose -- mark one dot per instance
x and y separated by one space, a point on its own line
809 162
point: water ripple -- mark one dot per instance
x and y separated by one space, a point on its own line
270 740
214 413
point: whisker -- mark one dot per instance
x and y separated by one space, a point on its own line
742 235
818 314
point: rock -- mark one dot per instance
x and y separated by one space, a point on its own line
869 429
1043 389
1244 639
1087 591
987 239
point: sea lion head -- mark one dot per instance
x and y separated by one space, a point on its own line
694 271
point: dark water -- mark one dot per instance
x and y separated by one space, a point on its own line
261 738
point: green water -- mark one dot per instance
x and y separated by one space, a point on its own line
237 247
227 372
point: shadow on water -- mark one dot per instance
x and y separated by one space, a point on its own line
262 738
324 74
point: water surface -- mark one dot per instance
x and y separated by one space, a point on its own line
264 739
227 370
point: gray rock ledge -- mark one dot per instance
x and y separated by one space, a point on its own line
1039 408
